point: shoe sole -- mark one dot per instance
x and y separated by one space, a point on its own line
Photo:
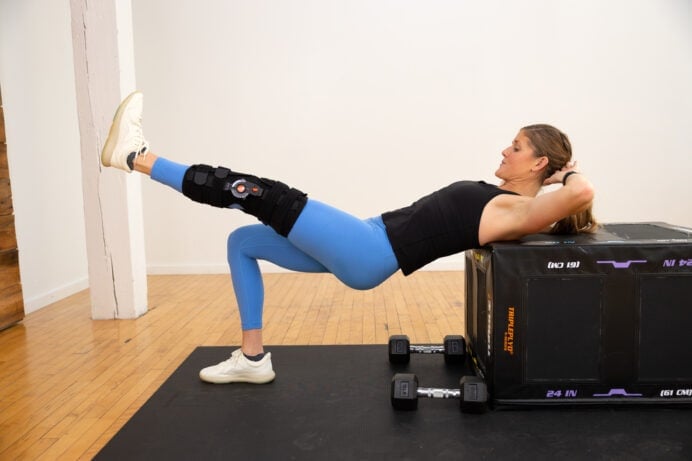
238 379
112 139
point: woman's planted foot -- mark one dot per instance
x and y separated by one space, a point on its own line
239 369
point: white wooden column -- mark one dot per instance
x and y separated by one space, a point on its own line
104 75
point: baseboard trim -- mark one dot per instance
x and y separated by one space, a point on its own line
444 264
37 302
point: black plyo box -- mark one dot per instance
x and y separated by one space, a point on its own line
584 319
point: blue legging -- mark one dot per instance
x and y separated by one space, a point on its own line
323 239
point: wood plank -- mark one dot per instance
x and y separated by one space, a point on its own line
5 197
8 236
4 165
3 139
9 267
11 301
11 305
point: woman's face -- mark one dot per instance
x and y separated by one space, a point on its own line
518 160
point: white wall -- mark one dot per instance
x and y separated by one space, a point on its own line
38 92
369 104
366 104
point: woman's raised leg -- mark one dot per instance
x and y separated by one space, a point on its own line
319 238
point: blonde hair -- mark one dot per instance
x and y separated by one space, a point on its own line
547 141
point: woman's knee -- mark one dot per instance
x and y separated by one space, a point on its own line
360 283
363 277
237 240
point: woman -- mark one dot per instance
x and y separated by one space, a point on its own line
305 235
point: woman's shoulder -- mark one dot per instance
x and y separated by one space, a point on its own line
506 201
502 218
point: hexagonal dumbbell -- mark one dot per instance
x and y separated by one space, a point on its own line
453 348
472 393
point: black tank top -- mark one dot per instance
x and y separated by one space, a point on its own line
440 224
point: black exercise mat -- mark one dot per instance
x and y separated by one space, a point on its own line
332 403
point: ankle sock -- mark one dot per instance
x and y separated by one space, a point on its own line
254 358
131 157
131 160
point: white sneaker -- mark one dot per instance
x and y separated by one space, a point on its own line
238 369
125 138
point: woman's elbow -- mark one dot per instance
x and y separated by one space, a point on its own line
584 195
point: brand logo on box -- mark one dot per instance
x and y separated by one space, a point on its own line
508 339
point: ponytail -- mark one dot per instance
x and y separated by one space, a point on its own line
582 222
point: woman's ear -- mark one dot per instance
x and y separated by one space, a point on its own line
541 163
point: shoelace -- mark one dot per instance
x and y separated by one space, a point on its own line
233 359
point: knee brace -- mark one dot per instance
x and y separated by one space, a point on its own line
272 202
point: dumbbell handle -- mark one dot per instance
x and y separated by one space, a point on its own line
437 393
424 349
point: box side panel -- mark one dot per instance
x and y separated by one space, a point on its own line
665 349
591 324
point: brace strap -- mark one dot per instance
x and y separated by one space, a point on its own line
272 202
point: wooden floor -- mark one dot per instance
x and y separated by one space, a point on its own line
68 383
